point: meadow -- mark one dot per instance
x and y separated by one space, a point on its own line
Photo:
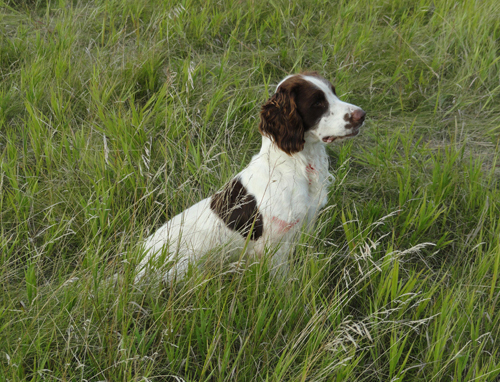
117 114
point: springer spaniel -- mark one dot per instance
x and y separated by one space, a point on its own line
278 193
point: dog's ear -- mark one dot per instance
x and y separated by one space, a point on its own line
280 120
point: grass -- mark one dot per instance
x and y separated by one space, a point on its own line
116 115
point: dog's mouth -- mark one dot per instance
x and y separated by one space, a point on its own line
330 139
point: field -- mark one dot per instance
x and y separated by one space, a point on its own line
117 114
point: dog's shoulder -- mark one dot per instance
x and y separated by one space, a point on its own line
238 209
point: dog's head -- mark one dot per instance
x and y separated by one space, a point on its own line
306 107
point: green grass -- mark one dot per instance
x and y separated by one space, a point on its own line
116 115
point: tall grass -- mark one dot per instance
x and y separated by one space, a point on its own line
116 115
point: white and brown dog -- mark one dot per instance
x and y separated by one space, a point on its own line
277 194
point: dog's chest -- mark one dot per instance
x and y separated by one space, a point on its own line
312 175
316 171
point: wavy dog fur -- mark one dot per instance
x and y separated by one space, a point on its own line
280 120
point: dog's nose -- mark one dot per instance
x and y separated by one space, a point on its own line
358 116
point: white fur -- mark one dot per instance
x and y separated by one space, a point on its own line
289 190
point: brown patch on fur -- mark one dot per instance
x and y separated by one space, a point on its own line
287 115
347 118
238 209
355 119
280 120
319 77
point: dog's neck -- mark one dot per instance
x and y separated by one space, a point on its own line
313 154
311 163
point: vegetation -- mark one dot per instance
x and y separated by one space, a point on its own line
117 114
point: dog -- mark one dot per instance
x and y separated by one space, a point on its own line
279 193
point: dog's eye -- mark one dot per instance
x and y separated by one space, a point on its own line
318 104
